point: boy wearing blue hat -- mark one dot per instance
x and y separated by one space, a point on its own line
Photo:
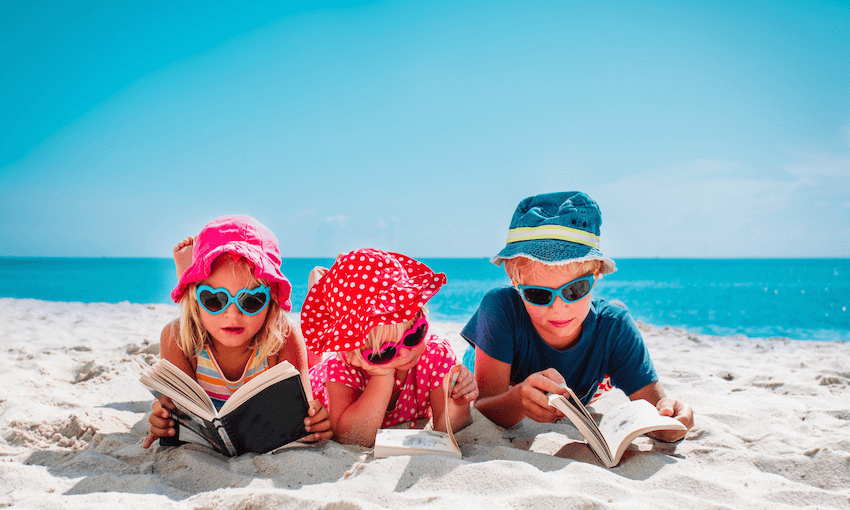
546 329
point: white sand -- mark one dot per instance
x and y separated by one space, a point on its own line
772 431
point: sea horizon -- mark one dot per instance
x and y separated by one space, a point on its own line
798 298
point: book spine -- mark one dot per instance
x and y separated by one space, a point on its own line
225 437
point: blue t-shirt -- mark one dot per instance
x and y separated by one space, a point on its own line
610 344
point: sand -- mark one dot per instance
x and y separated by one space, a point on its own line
772 431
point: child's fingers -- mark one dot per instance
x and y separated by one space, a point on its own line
157 432
167 403
317 423
317 414
160 422
316 407
318 436
318 426
459 382
463 388
534 400
554 376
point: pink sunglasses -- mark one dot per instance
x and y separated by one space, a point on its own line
389 350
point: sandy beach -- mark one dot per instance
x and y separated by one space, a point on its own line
772 431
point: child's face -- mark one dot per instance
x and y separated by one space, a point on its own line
231 328
404 360
559 324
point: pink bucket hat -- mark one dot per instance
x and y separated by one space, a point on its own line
239 235
364 289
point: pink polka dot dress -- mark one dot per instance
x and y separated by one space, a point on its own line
413 400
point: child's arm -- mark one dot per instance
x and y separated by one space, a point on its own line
464 391
654 394
160 417
356 418
507 405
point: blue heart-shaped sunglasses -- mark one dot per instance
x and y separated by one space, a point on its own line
248 301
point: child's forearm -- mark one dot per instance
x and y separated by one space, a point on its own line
504 409
459 417
360 422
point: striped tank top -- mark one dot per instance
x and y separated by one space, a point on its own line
217 386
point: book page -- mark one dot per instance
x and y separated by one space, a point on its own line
283 370
417 441
161 379
192 427
182 381
575 411
631 419
413 441
451 377
190 436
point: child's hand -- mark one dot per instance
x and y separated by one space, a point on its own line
465 390
160 420
377 371
318 422
679 411
532 394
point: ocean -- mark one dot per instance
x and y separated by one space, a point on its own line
802 299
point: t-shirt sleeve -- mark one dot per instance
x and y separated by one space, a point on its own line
439 359
630 366
492 327
334 369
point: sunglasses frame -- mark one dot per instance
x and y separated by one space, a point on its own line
366 353
231 299
557 292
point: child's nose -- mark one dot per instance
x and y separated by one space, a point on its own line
232 310
559 303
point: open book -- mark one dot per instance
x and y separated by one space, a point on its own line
265 413
617 428
390 442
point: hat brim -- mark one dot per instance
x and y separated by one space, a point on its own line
336 319
202 267
553 252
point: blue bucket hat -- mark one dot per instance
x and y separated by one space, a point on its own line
556 228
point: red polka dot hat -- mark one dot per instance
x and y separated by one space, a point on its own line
364 289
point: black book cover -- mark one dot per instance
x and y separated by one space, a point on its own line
270 419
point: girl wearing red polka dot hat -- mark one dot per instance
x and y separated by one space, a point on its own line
369 308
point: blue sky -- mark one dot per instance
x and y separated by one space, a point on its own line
703 129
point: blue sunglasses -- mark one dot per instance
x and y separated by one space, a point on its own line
248 301
545 296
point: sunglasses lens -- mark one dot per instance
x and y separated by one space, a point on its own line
576 291
382 356
415 337
252 303
212 302
539 297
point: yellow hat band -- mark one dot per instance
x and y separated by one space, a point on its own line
556 232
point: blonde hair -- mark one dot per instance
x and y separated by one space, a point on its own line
193 336
519 269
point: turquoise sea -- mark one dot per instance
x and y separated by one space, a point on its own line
804 299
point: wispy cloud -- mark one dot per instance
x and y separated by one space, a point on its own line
712 209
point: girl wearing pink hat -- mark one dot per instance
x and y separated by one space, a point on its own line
369 308
234 322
